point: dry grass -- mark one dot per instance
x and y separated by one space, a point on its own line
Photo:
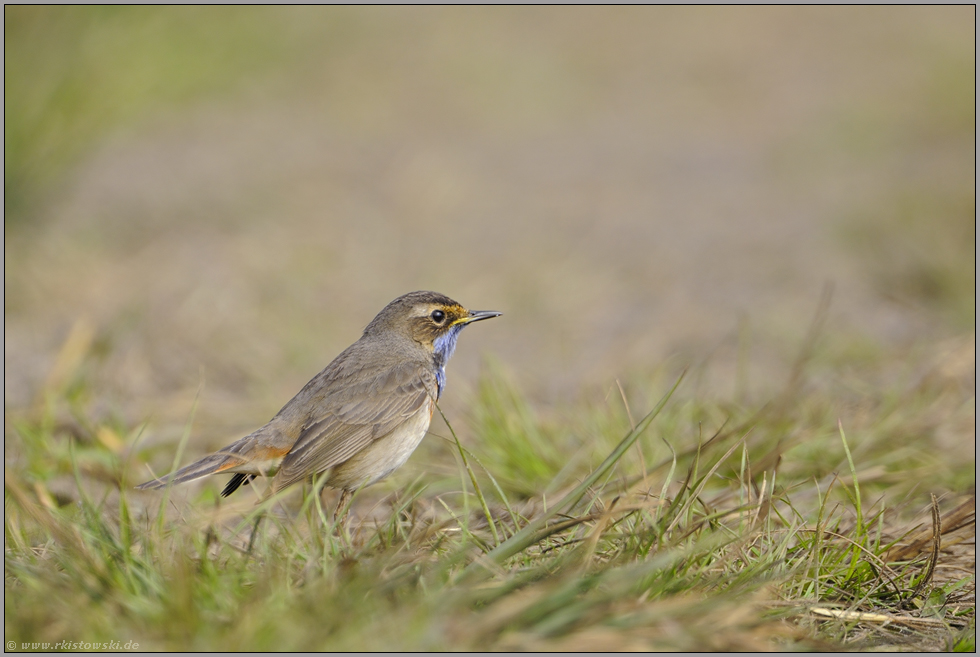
677 540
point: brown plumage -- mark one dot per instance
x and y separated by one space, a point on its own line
363 415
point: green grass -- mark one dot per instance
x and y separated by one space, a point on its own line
703 525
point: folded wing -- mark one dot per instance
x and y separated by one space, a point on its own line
346 422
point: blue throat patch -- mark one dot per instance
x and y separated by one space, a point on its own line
443 348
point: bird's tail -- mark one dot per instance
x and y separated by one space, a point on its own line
212 464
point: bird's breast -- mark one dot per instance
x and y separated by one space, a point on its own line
385 454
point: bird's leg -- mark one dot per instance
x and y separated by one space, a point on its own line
345 496
340 518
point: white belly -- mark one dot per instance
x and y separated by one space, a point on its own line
384 455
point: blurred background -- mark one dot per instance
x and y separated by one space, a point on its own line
226 196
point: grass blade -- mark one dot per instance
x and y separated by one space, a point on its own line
530 534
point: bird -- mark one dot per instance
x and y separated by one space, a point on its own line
362 416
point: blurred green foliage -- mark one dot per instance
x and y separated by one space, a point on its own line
917 237
73 74
919 247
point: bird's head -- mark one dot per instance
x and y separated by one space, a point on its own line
431 319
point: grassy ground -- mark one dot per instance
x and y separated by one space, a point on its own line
684 524
204 206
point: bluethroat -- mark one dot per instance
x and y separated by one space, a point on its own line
361 417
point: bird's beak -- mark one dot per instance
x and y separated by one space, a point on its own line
477 315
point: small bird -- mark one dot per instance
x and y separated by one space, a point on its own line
362 416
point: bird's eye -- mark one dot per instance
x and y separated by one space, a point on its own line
438 316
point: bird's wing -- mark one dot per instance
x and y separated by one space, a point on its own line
347 421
